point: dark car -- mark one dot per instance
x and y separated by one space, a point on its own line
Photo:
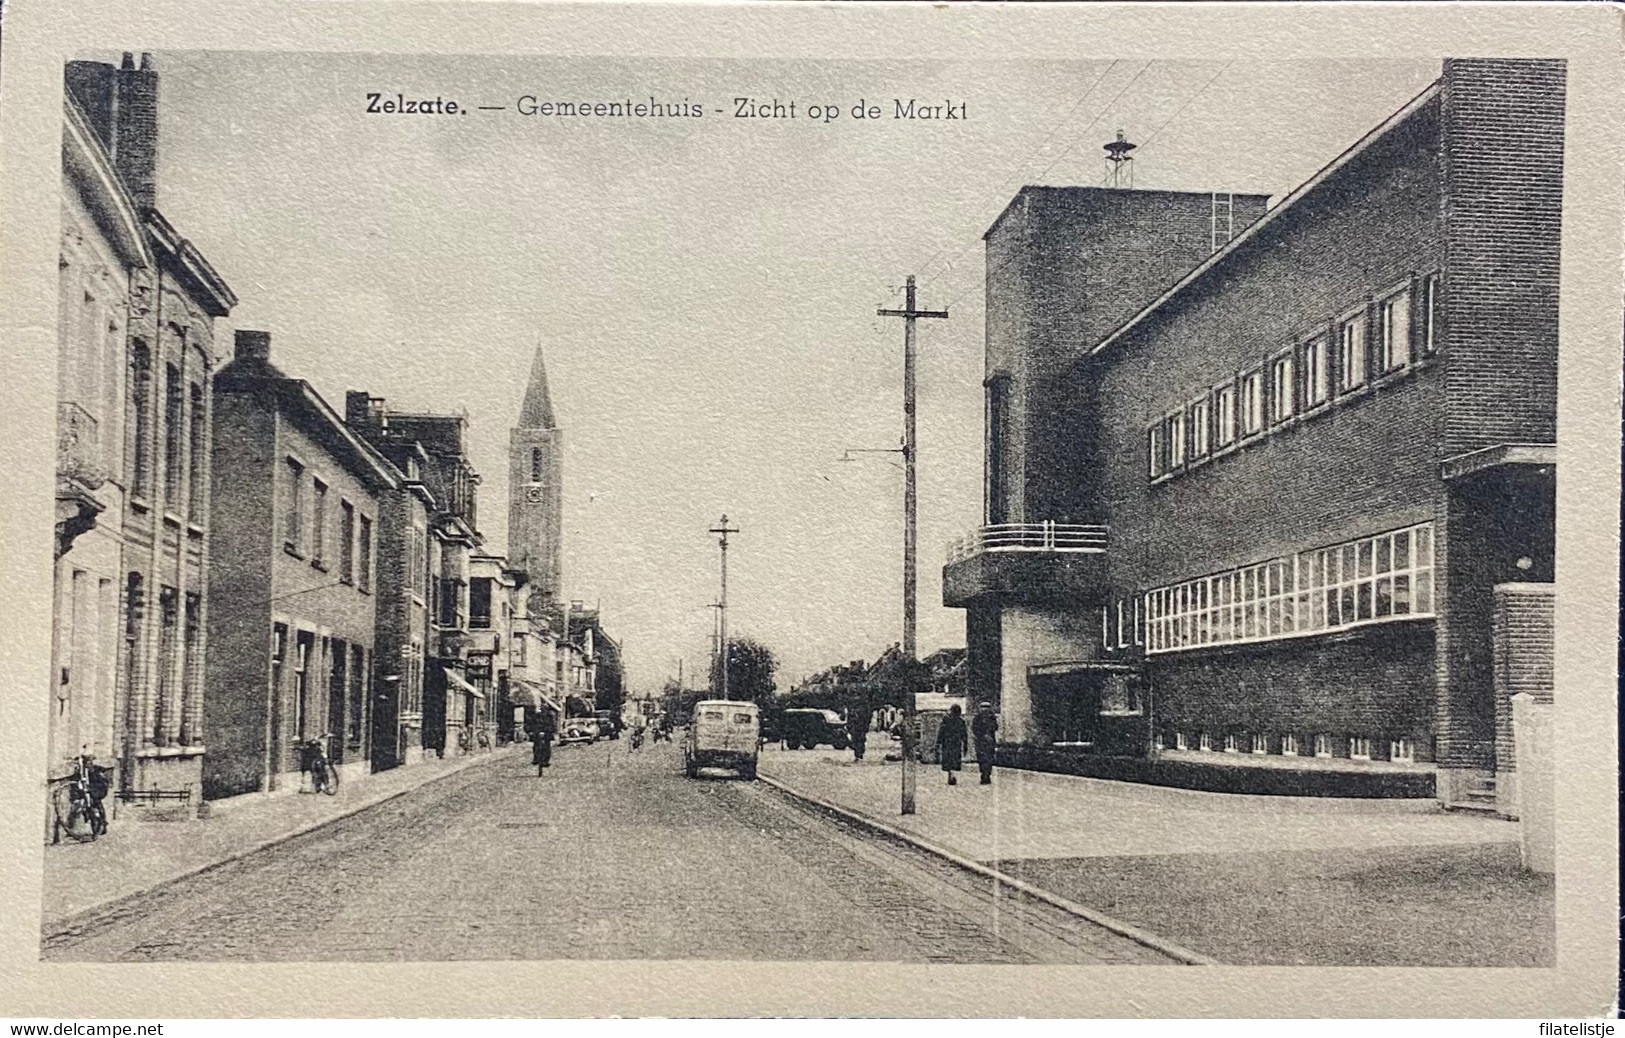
804 729
609 726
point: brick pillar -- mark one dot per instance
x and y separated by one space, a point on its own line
1523 636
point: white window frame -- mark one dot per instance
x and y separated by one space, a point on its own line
1177 442
1403 750
1155 451
1394 332
1352 352
1283 372
1232 743
1181 742
1315 370
1224 415
1323 745
1250 402
1200 422
1204 742
1428 326
1359 747
1261 743
1289 745
1376 579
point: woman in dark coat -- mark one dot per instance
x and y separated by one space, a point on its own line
952 742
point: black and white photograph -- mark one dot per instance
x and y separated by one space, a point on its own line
924 510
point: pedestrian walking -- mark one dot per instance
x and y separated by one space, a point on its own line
952 742
857 726
984 728
541 741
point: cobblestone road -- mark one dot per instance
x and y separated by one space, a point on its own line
611 855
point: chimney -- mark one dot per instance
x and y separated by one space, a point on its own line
253 345
358 408
135 148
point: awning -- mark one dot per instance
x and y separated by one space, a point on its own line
1062 668
533 695
460 685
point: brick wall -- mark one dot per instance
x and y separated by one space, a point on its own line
1363 465
1374 682
239 623
1065 267
1502 129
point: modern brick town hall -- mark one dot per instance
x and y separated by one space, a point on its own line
1269 491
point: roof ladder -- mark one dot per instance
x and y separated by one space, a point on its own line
1224 219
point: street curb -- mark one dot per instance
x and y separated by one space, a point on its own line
1122 929
59 926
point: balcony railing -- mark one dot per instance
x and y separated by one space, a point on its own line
78 446
1033 537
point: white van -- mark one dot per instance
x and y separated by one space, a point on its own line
722 734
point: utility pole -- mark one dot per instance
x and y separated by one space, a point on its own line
910 313
724 530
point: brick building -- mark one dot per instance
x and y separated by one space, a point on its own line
137 307
1254 477
296 502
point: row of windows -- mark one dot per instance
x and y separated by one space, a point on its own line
332 702
305 532
1352 747
1370 580
185 448
1364 344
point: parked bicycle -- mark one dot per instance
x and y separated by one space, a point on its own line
324 778
77 803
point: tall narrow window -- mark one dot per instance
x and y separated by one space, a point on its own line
1351 354
346 542
293 516
141 418
479 602
358 697
1153 448
197 454
163 708
174 402
998 422
1394 337
1281 388
535 464
1224 416
318 523
1176 439
304 642
363 556
1252 403
191 673
1316 385
1427 329
1200 428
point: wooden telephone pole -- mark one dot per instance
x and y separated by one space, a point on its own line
910 313
722 602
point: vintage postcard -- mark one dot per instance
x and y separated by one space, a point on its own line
818 510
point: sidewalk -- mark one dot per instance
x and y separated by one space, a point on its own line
138 855
1244 879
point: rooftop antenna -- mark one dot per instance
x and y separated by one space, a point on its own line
1119 163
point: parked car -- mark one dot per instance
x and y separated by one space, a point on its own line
609 726
723 734
804 729
578 729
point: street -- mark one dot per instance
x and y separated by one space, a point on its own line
611 855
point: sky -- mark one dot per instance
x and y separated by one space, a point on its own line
704 289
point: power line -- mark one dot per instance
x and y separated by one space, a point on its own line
1199 92
1016 170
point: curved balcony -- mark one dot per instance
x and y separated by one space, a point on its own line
1026 561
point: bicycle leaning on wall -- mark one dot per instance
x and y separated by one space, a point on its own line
77 802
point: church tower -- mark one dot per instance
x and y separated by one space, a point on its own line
535 501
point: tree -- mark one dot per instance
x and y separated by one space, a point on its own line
751 667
